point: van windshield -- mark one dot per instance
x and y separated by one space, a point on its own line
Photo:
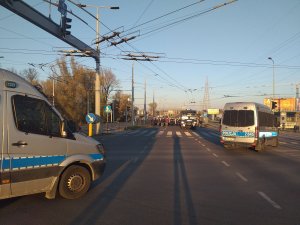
238 118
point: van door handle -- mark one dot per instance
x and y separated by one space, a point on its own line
20 143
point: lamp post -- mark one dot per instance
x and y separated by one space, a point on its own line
270 58
97 78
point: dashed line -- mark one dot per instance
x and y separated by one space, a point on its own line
203 145
294 143
208 149
215 155
281 142
225 163
169 134
241 176
268 199
187 134
178 133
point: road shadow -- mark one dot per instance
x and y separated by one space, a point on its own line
182 193
203 132
101 202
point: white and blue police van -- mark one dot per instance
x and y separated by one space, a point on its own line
39 152
248 124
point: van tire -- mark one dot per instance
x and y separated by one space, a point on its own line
74 182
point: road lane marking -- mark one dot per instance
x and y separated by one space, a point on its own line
215 155
208 149
281 142
151 133
160 133
169 134
241 176
203 145
225 163
294 143
178 133
187 134
266 197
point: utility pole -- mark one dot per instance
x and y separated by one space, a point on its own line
297 90
145 106
206 96
132 96
153 110
270 58
136 57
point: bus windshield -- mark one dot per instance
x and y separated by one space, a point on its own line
238 118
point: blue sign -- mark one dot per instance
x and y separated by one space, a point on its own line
90 118
107 108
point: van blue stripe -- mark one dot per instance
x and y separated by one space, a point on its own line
22 162
5 164
36 161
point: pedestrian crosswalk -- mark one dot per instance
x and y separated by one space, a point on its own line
161 133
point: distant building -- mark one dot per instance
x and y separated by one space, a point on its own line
287 111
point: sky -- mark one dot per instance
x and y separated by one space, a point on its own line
193 42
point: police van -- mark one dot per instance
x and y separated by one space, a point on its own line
39 152
248 124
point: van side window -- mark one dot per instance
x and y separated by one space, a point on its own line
35 116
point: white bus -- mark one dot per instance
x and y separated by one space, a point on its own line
248 124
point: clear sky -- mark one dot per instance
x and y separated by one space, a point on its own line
228 46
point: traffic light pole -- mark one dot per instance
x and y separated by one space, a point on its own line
35 17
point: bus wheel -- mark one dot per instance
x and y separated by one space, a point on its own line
74 182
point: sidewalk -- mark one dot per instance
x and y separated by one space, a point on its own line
111 128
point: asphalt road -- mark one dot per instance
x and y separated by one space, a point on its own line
166 175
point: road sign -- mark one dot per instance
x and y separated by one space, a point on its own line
107 108
90 118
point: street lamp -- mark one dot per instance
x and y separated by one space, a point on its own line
270 58
97 78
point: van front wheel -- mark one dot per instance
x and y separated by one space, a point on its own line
74 182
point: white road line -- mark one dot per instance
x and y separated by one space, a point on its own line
225 163
281 142
196 134
264 196
151 133
208 149
187 134
241 176
178 133
160 133
294 143
143 132
215 155
203 145
169 134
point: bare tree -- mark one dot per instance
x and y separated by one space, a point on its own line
109 82
31 75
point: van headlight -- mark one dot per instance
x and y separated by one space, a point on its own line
101 149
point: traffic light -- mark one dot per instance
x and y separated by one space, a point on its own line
65 25
274 105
